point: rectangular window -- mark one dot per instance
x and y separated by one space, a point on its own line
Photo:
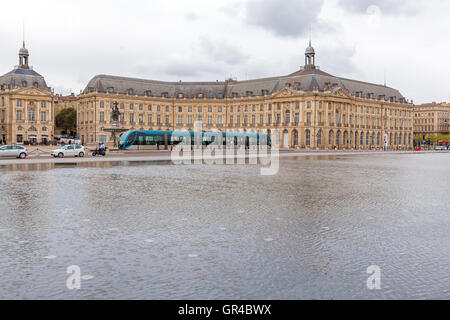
150 120
308 117
131 118
180 120
19 115
167 119
102 104
189 119
102 116
43 116
43 104
141 107
19 103
210 120
131 106
219 120
269 119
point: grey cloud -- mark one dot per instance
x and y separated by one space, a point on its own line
222 52
386 6
285 18
192 16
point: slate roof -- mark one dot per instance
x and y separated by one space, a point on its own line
16 77
305 79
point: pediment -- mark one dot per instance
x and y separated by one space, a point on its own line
33 91
340 92
285 92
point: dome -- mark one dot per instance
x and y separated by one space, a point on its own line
23 51
310 49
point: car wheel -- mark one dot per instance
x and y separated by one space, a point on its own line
81 154
22 155
61 155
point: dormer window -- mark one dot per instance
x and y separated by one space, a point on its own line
36 85
235 94
111 90
220 95
130 92
265 92
165 94
148 93
24 84
200 95
180 96
249 93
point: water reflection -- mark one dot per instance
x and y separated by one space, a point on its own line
226 232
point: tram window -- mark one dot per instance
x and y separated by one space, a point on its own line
131 138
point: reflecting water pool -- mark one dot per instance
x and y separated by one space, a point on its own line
160 231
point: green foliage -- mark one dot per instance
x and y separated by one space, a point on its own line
66 119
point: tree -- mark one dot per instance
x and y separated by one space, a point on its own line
66 120
433 139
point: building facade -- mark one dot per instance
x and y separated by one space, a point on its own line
26 105
310 108
433 118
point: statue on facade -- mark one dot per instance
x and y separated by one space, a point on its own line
115 114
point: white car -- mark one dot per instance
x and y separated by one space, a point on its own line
71 150
13 151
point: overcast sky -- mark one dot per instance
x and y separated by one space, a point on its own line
71 41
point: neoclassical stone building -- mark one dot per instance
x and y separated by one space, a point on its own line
26 105
432 118
310 108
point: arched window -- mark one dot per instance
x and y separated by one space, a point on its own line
378 139
345 141
361 139
367 139
395 139
338 137
308 137
24 84
319 137
400 139
372 139
356 138
409 139
330 137
295 133
404 139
